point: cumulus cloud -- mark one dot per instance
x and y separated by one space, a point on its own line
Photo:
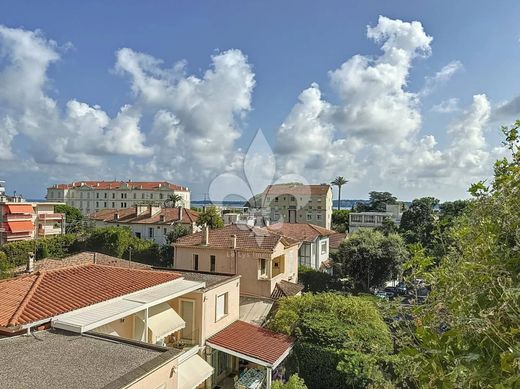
447 106
441 77
507 110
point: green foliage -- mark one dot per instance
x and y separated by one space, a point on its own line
110 240
418 223
177 231
339 182
211 218
317 281
370 258
388 227
294 382
327 327
467 333
74 220
6 267
377 202
340 221
173 200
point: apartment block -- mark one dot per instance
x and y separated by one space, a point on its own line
93 196
358 220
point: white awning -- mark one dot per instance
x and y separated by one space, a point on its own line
163 320
193 372
106 329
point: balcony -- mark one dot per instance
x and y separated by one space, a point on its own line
49 230
17 216
51 216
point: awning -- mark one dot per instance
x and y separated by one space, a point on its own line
20 226
20 208
193 372
106 329
163 320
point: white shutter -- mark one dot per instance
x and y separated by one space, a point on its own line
221 303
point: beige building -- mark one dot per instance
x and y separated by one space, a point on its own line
263 259
92 196
147 221
296 203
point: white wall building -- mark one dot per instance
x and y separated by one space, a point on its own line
93 196
359 220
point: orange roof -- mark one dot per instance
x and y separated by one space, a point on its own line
20 208
129 215
104 185
248 238
20 226
253 341
336 239
301 232
297 189
45 294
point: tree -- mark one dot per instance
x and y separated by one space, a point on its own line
370 258
294 382
6 267
173 200
210 217
74 220
340 220
467 333
388 227
449 211
177 231
418 222
339 182
377 202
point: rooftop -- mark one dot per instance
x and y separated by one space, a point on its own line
336 239
210 279
302 232
104 185
129 215
248 238
59 359
286 289
297 189
254 342
45 294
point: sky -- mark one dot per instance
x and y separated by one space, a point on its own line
224 97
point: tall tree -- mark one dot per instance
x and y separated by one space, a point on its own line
339 181
418 222
340 220
210 217
177 231
370 258
377 202
74 220
173 200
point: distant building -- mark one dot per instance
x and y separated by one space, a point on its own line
20 220
93 196
296 203
147 221
359 220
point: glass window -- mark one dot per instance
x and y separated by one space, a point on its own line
305 255
324 247
222 306
309 216
195 261
150 232
213 263
263 267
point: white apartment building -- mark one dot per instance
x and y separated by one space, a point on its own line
359 220
296 203
93 196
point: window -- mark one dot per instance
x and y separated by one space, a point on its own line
151 195
142 196
106 195
123 205
323 246
150 232
105 204
309 216
122 195
113 204
305 254
213 263
113 195
195 261
164 231
221 308
135 196
97 204
318 216
97 195
160 196
263 267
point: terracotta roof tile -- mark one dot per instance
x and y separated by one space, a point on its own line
45 294
104 185
336 239
253 341
301 232
129 215
286 289
248 238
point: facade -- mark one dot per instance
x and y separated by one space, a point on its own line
296 203
261 257
359 220
314 248
147 221
93 196
26 221
95 311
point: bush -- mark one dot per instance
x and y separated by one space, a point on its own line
294 382
112 241
317 281
5 266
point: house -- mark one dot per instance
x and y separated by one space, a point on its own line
296 203
261 257
147 221
359 220
92 196
157 322
314 247
20 220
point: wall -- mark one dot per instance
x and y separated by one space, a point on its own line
160 376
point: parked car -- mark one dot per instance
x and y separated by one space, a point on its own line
401 288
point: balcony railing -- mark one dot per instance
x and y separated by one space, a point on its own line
17 216
51 216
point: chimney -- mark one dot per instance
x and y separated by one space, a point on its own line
233 241
205 235
161 218
116 216
30 263
180 213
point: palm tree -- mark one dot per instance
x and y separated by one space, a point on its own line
172 200
339 181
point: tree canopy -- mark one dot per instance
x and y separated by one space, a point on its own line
340 220
210 217
74 220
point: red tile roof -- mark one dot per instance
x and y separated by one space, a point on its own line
129 215
252 341
336 239
297 189
45 294
301 232
104 185
248 238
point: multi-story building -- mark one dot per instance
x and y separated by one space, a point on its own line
297 203
359 220
92 196
265 260
20 220
148 221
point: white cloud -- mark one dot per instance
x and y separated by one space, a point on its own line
441 77
447 106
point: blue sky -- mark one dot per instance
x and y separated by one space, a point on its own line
280 50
